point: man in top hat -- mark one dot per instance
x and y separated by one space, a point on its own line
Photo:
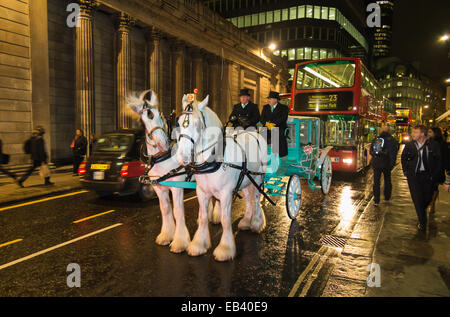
273 115
245 114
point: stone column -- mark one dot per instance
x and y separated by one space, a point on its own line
197 66
84 69
179 49
155 63
123 69
213 82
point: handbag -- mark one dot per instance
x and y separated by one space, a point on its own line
44 171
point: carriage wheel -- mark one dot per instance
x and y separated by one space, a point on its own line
293 196
326 174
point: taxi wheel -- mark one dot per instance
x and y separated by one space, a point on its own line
146 192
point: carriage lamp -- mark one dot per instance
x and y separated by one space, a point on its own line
347 161
124 170
82 168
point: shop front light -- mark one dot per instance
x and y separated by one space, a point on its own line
347 161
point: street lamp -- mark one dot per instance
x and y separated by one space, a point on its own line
272 46
443 38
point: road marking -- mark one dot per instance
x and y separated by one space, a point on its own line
97 215
304 273
42 200
4 266
315 273
190 198
10 242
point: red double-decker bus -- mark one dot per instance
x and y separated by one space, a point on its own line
403 122
348 100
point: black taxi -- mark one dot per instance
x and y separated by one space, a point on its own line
114 166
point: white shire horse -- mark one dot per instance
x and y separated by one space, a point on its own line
173 232
200 130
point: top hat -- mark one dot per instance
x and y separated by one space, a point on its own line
274 94
244 92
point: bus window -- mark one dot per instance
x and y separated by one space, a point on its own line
340 130
338 74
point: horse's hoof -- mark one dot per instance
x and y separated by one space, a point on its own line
244 224
258 226
224 253
163 239
196 249
179 246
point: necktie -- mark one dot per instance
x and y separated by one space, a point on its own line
425 158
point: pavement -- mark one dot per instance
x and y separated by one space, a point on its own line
34 185
409 263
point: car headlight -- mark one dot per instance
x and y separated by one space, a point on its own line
347 161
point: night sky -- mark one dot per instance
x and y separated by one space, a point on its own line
417 26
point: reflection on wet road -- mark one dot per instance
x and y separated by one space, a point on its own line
125 261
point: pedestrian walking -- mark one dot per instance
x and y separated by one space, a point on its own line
35 146
421 164
78 146
436 134
384 149
4 159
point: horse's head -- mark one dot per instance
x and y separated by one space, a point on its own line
155 124
191 126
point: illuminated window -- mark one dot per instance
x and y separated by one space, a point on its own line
248 21
241 22
285 15
309 11
332 14
316 12
325 13
300 53
301 12
262 18
269 18
399 83
283 53
307 53
277 16
315 53
323 53
293 13
291 54
254 19
276 53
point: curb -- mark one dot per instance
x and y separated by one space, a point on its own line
41 195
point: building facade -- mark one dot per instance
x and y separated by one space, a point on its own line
301 30
65 77
405 85
382 36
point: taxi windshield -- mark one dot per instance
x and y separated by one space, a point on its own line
113 143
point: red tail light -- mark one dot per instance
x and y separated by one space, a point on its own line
82 168
124 170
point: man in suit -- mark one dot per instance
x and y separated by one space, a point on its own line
274 115
421 163
245 114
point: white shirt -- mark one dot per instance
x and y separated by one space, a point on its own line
274 106
418 146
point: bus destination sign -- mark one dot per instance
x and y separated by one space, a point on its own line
330 101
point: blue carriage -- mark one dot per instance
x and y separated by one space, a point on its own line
305 160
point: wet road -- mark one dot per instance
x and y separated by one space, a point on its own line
118 256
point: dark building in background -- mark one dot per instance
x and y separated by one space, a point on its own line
403 83
382 36
301 30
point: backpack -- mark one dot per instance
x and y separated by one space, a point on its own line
27 146
378 147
